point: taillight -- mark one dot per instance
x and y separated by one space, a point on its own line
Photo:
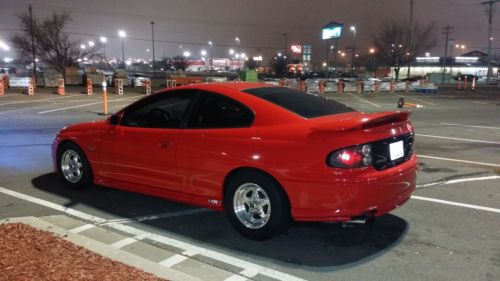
351 157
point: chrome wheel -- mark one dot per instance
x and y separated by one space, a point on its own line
71 166
251 205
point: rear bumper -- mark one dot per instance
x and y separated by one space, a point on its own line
341 199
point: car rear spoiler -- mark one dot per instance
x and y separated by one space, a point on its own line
363 121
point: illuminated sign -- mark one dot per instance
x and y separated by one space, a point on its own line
333 30
296 49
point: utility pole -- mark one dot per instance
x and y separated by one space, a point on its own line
32 41
410 39
447 32
489 9
153 39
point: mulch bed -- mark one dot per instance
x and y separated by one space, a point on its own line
29 254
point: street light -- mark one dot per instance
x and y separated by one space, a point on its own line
122 34
186 54
82 46
353 29
91 44
231 51
4 46
203 53
372 51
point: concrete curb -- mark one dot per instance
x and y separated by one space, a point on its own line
104 249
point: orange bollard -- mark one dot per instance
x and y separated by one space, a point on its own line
31 87
407 86
473 86
89 87
60 87
119 87
391 86
340 86
465 82
2 89
282 83
459 83
322 86
377 86
146 87
105 97
358 87
5 80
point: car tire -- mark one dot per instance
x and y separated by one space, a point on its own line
73 167
256 205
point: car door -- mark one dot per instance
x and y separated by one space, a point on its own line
211 143
141 149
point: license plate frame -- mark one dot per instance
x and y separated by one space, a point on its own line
396 150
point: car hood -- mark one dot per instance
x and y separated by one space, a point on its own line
84 127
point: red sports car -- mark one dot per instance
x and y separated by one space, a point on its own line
264 154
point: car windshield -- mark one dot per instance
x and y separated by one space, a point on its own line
298 102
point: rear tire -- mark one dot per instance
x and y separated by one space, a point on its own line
256 205
73 167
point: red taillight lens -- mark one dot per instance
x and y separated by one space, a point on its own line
351 157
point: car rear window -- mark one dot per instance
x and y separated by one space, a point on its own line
304 104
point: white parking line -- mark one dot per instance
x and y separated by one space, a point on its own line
36 100
124 242
457 181
156 216
173 260
458 139
470 126
452 203
366 101
459 161
188 248
82 228
82 105
419 100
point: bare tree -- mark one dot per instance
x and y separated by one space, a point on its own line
53 47
393 43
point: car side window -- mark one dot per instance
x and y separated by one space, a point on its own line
163 110
218 111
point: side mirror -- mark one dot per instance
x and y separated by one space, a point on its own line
114 120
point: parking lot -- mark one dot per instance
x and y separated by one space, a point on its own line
449 230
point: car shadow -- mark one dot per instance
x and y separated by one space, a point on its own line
312 245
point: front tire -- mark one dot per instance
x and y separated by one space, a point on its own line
256 205
73 167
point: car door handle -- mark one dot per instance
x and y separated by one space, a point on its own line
164 144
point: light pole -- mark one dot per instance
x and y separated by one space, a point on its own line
103 41
153 39
122 34
211 55
285 35
238 50
353 29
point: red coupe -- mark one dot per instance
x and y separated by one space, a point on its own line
264 154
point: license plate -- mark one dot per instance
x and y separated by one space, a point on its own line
396 150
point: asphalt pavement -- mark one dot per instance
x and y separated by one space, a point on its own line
449 230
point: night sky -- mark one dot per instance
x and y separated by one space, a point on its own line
258 23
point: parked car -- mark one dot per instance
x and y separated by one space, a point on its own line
136 80
264 154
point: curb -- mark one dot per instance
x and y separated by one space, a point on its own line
104 249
